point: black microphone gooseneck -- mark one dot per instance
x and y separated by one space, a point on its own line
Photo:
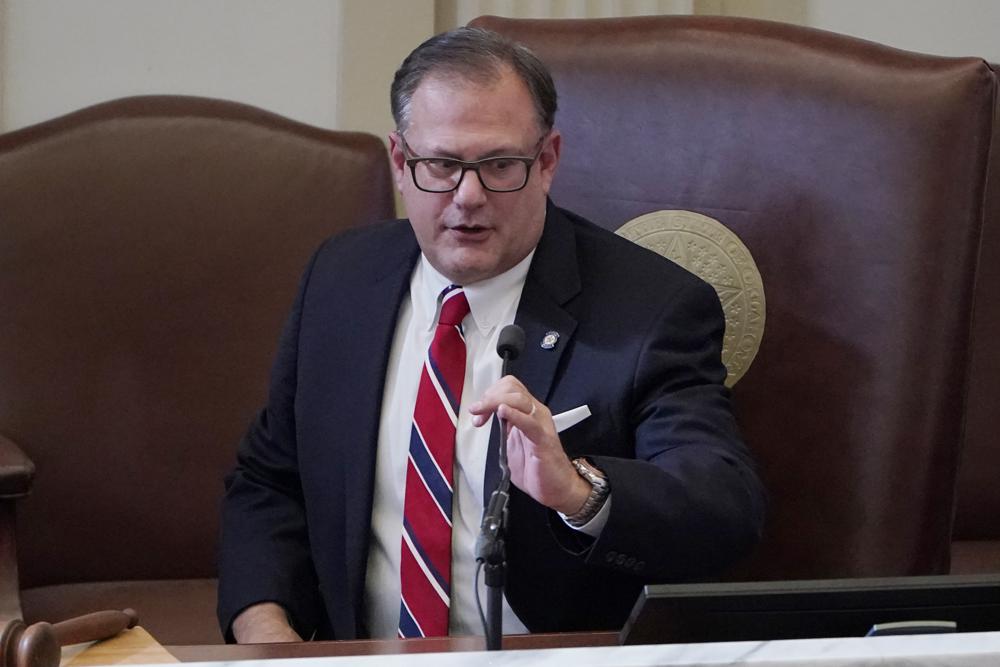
490 545
509 346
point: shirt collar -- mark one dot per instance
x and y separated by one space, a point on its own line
488 299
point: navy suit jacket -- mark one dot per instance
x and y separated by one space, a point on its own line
639 343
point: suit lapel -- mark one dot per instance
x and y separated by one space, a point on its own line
552 282
374 329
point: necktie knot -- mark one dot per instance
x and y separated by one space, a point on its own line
454 306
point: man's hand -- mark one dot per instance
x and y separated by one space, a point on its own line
264 623
538 464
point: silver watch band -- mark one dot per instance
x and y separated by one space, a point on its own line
599 490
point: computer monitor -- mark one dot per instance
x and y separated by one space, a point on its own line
688 613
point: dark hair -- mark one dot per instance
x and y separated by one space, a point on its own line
474 55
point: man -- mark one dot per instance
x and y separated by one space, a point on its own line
626 462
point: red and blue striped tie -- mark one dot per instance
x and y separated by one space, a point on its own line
425 566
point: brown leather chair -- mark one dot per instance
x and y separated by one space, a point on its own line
976 544
149 253
856 176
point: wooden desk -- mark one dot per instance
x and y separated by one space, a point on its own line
386 646
130 647
954 650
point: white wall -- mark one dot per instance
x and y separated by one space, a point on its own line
956 28
60 55
329 62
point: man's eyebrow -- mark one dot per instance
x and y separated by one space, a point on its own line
438 152
496 152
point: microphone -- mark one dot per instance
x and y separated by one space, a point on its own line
490 553
510 344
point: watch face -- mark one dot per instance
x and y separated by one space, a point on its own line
594 477
586 469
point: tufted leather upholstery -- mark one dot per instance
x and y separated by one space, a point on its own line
149 250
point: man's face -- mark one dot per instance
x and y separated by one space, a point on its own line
471 234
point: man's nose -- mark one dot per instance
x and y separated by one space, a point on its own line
470 191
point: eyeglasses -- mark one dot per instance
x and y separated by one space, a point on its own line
504 173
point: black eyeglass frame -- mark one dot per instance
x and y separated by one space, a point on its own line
413 160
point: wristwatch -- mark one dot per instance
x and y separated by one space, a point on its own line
599 491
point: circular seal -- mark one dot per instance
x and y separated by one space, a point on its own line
708 249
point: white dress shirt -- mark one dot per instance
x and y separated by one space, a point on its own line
492 304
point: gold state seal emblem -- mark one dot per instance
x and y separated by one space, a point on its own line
708 249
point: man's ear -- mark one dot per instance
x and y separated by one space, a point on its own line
548 159
397 159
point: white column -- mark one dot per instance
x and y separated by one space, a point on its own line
787 11
453 13
374 37
3 61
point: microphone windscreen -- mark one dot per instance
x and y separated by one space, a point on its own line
511 342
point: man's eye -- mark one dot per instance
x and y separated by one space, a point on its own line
441 164
502 164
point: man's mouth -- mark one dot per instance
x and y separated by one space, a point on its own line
470 230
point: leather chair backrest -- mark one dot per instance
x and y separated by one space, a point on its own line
855 174
149 253
977 526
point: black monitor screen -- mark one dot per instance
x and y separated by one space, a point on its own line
689 613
